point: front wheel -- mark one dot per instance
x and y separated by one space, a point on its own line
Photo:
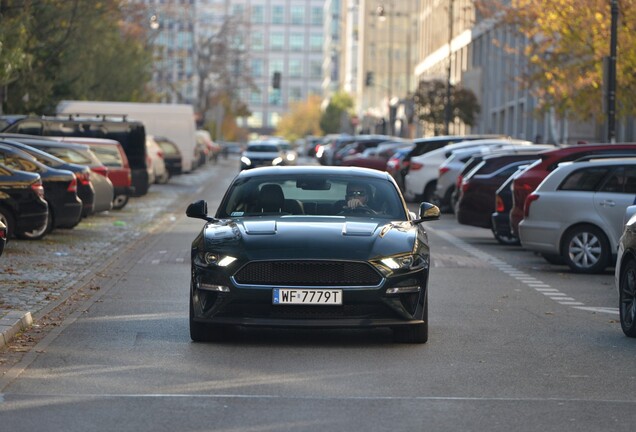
120 201
585 249
627 299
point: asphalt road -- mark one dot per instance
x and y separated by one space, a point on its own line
515 344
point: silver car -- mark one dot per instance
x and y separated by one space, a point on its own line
625 274
577 213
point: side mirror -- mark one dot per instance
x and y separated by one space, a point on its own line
198 210
428 212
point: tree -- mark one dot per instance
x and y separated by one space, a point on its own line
430 104
331 120
566 41
302 119
15 19
75 49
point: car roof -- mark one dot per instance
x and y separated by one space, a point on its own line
315 169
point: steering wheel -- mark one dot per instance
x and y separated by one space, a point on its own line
358 210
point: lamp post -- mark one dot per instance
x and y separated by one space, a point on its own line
611 76
447 110
383 15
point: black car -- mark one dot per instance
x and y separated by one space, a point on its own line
60 189
23 209
284 249
171 155
500 218
85 190
3 236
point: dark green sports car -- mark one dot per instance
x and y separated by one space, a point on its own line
311 246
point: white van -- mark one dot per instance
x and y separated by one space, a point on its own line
173 121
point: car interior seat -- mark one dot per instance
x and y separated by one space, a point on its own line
271 199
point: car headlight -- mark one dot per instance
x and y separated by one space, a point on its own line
277 161
402 263
291 157
211 259
246 161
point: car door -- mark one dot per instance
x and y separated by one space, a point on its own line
615 194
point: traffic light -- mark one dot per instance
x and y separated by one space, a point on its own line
368 81
276 80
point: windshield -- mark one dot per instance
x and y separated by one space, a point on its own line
314 195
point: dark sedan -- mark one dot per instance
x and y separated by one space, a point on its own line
311 247
625 274
3 236
60 189
23 209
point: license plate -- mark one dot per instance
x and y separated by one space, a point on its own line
307 296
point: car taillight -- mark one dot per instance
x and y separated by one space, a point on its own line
416 166
102 170
72 185
160 154
460 179
38 188
465 186
526 205
499 204
443 170
83 177
3 233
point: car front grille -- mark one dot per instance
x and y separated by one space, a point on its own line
263 311
308 273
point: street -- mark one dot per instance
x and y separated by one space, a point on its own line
515 344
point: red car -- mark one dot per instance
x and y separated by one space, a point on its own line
375 157
526 182
112 155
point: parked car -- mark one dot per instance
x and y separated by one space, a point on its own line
60 190
253 264
70 150
157 171
500 218
397 164
85 189
376 157
357 144
577 212
477 193
421 180
130 134
625 273
112 155
171 155
23 209
261 153
3 236
527 181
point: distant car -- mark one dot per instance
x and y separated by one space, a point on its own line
3 236
156 165
274 255
23 209
260 154
577 213
291 155
112 155
527 181
500 218
60 190
625 273
171 155
396 165
376 157
70 149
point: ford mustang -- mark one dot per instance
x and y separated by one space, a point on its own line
311 246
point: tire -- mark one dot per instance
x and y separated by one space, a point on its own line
553 259
120 201
627 298
202 332
7 219
585 249
39 233
415 333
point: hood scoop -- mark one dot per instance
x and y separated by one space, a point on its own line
360 229
259 227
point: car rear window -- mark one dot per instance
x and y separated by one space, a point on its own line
109 156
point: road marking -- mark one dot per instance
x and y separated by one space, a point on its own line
530 281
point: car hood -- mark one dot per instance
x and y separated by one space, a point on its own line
302 237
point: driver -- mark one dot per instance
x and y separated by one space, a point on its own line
358 195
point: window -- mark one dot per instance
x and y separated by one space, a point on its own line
276 65
257 41
316 16
295 94
257 67
315 69
278 15
297 15
258 13
295 68
586 179
296 42
255 120
315 42
256 97
621 180
277 42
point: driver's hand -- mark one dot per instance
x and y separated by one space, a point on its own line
354 203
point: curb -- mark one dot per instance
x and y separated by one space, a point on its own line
12 323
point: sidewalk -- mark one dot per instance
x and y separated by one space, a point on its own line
37 276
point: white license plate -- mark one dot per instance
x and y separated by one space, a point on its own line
307 296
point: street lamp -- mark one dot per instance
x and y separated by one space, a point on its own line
382 17
611 76
447 110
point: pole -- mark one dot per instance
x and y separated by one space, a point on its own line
447 113
390 84
611 82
